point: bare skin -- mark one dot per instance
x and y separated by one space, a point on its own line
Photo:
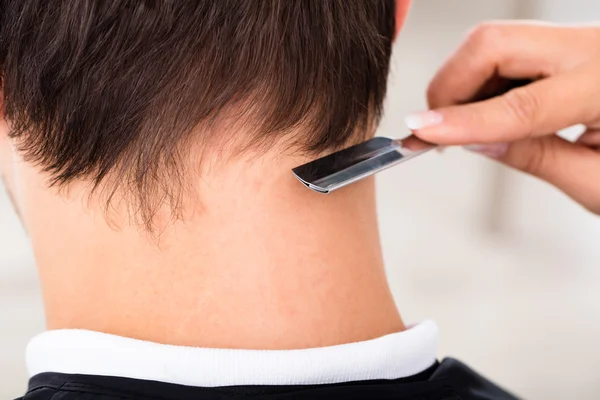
258 264
518 128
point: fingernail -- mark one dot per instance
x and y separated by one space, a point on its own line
423 120
495 150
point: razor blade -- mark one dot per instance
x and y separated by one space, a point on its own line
365 159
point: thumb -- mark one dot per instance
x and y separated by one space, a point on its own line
573 168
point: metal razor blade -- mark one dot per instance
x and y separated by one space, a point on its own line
350 165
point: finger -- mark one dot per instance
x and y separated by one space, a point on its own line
572 168
511 50
590 138
533 110
413 143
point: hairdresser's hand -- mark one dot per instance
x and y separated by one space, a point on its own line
519 127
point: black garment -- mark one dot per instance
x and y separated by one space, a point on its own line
449 380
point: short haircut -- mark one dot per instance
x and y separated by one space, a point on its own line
116 90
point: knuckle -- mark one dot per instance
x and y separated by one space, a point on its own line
433 94
539 157
485 34
536 159
523 106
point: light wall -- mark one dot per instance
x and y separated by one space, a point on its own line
507 266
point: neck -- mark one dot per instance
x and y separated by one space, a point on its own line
262 264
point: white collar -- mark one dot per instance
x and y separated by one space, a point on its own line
92 353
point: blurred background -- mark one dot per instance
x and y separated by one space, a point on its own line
507 266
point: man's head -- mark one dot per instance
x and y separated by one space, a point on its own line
198 108
119 93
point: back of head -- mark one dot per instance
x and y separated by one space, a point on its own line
129 95
197 109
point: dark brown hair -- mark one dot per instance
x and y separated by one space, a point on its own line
112 88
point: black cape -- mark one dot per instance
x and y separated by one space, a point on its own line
448 380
